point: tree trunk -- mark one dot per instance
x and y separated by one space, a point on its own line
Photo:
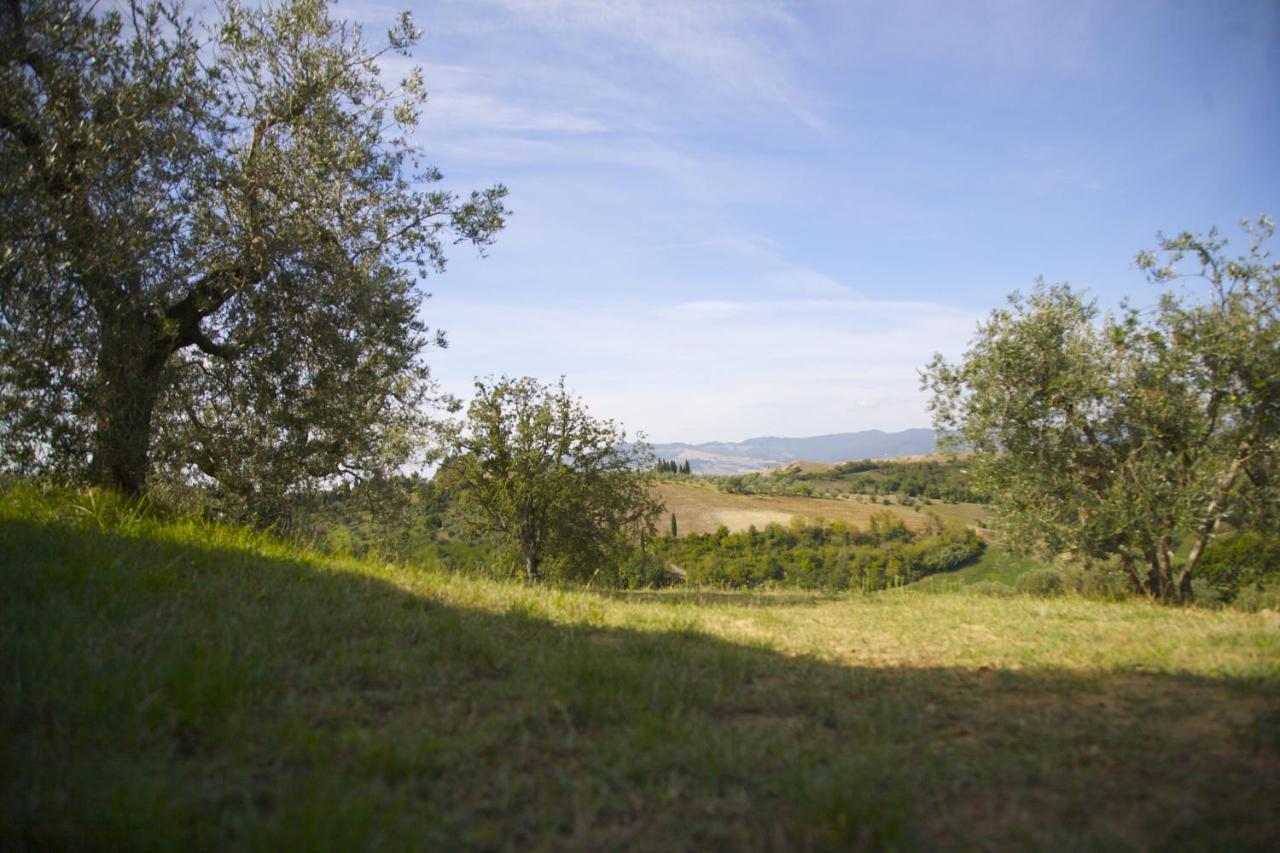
531 567
1137 584
1162 585
131 360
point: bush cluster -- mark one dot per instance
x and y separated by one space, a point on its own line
1240 564
820 556
933 479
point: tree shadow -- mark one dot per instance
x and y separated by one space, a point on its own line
161 694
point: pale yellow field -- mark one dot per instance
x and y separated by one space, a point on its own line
701 509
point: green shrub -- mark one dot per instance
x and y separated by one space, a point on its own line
1046 581
1206 594
1237 561
1255 597
643 570
1094 580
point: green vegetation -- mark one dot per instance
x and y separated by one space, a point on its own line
213 234
670 467
931 479
995 565
1242 569
1118 437
531 468
820 556
173 683
1238 570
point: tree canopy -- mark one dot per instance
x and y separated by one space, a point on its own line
556 486
1125 436
214 233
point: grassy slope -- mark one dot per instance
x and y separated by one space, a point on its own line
175 684
995 564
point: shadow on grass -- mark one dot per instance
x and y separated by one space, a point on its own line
161 695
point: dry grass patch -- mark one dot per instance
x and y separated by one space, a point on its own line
701 509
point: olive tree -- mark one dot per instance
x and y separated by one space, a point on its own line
1127 436
213 236
531 466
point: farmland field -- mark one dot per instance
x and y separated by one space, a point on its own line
699 508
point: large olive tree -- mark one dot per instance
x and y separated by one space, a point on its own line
530 466
1129 436
213 234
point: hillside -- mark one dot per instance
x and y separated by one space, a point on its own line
761 454
699 508
175 684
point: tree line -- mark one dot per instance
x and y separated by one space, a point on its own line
833 556
215 235
671 466
946 479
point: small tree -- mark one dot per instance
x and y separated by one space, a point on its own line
1117 435
531 466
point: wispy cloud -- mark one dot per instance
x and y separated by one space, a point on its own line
735 49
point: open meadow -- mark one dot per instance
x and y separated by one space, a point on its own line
170 683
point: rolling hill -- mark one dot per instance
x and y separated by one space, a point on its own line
761 454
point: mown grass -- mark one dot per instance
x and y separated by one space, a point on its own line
170 683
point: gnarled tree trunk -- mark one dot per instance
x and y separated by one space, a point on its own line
131 361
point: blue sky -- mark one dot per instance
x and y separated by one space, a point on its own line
750 218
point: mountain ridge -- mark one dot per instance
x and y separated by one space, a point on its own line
764 452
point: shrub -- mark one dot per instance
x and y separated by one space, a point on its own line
1258 597
1237 561
642 571
1206 594
1093 579
1044 581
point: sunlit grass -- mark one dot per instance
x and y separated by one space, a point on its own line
174 683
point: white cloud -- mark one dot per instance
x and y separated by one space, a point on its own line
711 370
739 49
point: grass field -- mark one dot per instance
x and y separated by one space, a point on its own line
699 508
174 684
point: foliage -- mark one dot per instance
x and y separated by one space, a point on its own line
1045 581
212 240
820 556
1116 435
672 468
943 479
1239 561
562 489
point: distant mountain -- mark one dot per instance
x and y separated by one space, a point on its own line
760 454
